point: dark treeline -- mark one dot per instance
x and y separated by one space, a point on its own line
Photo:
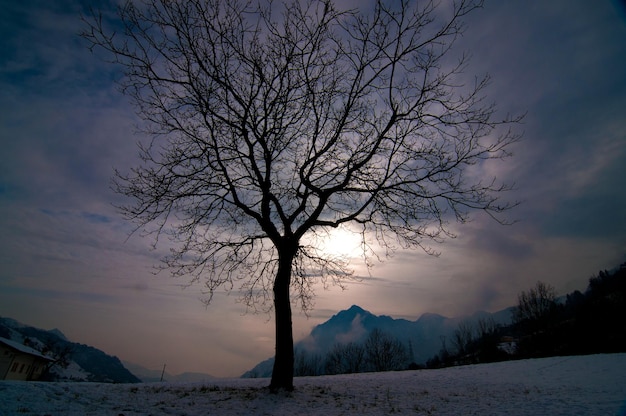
544 325
379 352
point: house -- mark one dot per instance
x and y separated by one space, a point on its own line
19 362
508 345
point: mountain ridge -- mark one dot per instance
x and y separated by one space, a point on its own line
147 375
425 336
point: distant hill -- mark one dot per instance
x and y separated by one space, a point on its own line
424 336
150 376
73 361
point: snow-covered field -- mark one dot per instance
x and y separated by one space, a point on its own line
581 385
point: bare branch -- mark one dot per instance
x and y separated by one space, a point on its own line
271 121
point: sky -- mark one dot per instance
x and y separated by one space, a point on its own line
68 261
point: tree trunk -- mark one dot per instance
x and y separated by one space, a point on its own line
282 374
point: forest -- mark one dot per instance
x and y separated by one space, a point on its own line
545 325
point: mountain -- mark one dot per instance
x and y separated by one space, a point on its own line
425 336
150 376
73 361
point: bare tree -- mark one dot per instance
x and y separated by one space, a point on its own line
335 360
383 352
61 354
307 363
486 327
273 123
536 306
345 358
463 337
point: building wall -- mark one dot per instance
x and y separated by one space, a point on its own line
6 357
15 365
38 368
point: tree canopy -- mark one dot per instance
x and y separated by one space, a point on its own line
274 122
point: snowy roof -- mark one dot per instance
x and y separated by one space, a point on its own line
23 348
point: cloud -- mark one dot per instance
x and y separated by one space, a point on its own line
355 333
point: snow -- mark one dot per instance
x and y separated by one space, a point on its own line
577 385
73 372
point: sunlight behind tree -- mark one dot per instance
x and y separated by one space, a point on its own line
340 242
270 128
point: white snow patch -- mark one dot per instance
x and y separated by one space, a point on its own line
73 372
578 385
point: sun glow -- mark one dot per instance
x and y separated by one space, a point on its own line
341 242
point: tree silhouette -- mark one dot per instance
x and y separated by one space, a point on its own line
463 337
345 358
383 352
536 307
273 123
